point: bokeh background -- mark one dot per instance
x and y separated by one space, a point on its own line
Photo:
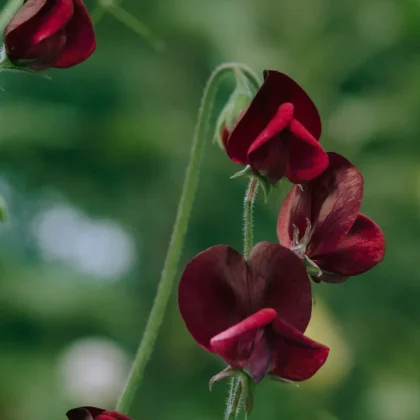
91 166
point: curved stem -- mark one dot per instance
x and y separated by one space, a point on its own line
178 234
6 14
249 215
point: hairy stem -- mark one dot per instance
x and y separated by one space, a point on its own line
249 200
176 243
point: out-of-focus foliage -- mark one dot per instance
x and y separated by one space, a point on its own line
91 165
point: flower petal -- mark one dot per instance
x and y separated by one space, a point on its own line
279 281
213 293
276 90
81 41
307 158
84 413
269 153
330 202
360 250
295 357
36 21
245 346
295 211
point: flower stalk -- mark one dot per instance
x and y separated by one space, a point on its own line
179 231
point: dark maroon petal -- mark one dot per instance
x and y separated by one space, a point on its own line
279 281
295 357
360 250
276 90
336 199
81 42
284 89
245 345
27 34
213 293
307 158
296 210
84 413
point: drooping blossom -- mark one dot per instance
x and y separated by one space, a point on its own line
278 135
253 312
93 413
50 33
321 220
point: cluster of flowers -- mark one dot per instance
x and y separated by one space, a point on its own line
253 311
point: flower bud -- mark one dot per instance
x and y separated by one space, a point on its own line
234 108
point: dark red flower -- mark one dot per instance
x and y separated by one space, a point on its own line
50 33
321 219
93 413
279 132
252 313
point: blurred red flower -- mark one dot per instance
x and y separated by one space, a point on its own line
278 135
50 33
252 313
321 220
93 413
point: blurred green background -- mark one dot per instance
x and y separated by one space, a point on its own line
91 166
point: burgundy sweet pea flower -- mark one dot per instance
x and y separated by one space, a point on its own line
252 313
279 132
93 413
50 33
321 220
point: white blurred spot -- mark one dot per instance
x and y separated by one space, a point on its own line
100 248
394 399
92 371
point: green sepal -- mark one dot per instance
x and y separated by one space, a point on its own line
311 268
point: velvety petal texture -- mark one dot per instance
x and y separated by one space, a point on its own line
279 132
231 307
93 413
331 231
50 33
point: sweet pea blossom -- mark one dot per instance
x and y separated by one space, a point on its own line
278 134
93 413
320 221
253 312
50 33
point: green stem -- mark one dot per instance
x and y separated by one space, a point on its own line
173 256
250 195
236 395
6 14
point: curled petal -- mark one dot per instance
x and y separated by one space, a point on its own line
276 90
84 413
81 42
279 281
296 357
307 158
36 21
330 202
360 250
245 345
213 293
